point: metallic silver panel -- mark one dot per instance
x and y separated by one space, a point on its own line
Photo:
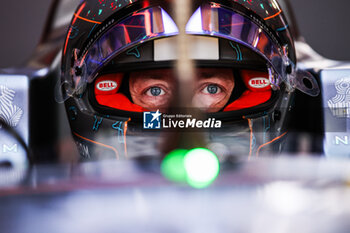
14 106
336 104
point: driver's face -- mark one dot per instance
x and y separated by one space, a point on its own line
154 89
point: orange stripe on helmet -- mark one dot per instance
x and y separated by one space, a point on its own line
267 143
273 16
100 144
125 130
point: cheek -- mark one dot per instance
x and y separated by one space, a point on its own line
151 102
135 87
206 101
155 103
135 96
155 100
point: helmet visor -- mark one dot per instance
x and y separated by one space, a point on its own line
153 23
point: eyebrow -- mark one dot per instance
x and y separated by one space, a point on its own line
152 76
206 75
155 76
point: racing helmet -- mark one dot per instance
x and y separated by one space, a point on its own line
113 47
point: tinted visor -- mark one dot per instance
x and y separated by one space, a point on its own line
154 23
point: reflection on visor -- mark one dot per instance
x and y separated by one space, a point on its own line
155 23
140 27
224 23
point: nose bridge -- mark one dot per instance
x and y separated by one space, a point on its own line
184 64
185 76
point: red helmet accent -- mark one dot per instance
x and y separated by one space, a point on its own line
259 90
256 81
106 88
249 99
108 84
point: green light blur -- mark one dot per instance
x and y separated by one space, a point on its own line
202 167
172 166
198 167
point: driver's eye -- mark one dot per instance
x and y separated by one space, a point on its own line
212 89
155 91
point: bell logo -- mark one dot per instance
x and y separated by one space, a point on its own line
106 85
259 82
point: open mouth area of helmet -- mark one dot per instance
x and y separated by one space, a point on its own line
215 90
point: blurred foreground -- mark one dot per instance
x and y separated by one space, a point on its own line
265 195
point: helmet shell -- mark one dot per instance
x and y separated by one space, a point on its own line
91 128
